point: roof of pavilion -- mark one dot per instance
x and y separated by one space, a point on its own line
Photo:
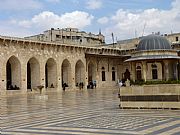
152 57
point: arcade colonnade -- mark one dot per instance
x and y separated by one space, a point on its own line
34 71
28 72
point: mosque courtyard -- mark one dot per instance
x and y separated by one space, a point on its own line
81 112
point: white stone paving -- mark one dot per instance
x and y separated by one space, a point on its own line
86 112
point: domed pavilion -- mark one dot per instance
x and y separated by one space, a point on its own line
154 59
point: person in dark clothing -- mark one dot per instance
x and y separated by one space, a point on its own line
82 85
64 86
52 86
91 85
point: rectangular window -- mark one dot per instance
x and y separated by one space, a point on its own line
177 39
113 76
154 74
103 76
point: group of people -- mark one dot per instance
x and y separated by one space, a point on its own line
11 87
91 85
80 85
64 85
124 82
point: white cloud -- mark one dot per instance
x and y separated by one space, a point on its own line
103 20
94 4
53 1
6 29
46 20
125 22
19 5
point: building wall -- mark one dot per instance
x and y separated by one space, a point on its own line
40 54
70 36
173 38
23 52
150 96
149 71
132 43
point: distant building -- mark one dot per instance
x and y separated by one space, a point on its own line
70 36
132 43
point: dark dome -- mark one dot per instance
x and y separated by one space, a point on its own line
153 42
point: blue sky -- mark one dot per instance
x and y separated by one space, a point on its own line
125 18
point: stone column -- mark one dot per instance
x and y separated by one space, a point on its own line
3 77
59 77
98 79
42 74
144 70
166 67
73 86
23 86
176 70
133 70
86 80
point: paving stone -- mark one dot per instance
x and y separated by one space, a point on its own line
74 112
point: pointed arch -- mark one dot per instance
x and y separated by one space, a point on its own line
91 72
33 73
51 73
66 72
13 73
127 74
79 72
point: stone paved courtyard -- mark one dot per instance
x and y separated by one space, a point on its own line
86 112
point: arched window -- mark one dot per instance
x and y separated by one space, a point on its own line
154 71
178 68
127 75
138 73
113 74
103 74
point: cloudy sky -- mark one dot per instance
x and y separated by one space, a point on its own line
124 18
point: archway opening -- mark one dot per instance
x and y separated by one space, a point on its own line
51 73
91 72
154 71
66 73
138 73
103 73
79 72
178 69
113 74
126 75
33 73
13 74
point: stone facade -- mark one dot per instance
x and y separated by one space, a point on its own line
30 62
